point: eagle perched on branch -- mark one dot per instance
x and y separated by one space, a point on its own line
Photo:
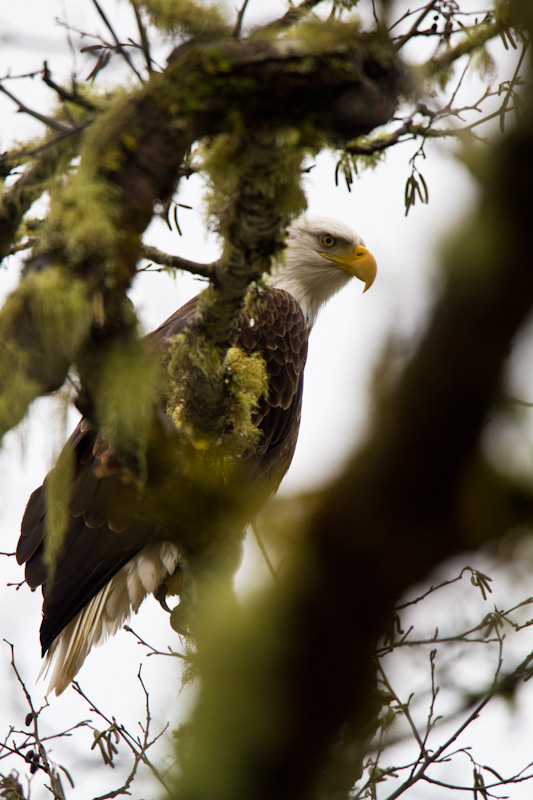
106 567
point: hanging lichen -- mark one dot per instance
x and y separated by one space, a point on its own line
186 17
129 388
197 370
57 498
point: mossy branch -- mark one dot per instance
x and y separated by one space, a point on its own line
292 16
473 39
131 157
16 200
42 326
186 17
255 192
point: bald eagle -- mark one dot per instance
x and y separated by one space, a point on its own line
109 560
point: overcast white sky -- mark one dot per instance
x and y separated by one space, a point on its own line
344 345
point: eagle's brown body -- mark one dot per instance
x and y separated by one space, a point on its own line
104 531
112 555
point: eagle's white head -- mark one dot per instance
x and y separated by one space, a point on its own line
322 255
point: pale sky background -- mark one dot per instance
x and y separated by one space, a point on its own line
345 343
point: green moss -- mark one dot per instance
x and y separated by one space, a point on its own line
317 37
84 209
129 388
52 305
193 360
42 325
187 17
247 381
29 227
255 189
116 121
484 64
438 80
40 175
231 160
18 391
201 380
58 483
83 216
77 114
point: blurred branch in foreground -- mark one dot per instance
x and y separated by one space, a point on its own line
297 665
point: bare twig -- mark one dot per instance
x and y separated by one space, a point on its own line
64 94
523 672
144 36
119 46
19 155
512 84
176 262
404 707
414 27
153 650
138 757
442 585
137 749
41 760
9 77
54 124
259 539
238 23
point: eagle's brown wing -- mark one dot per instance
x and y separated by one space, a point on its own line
105 531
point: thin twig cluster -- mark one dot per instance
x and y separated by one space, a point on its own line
28 750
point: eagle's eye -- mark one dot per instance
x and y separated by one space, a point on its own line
327 240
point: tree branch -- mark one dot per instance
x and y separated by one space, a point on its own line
176 262
238 22
414 27
275 84
119 46
50 122
144 36
16 200
293 15
475 37
64 94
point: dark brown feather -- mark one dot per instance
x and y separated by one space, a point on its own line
105 532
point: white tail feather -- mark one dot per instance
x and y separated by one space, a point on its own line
107 612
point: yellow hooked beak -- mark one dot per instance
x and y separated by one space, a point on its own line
360 263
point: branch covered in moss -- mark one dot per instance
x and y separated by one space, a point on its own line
474 38
132 154
15 201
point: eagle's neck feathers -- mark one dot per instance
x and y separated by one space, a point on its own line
311 286
302 269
